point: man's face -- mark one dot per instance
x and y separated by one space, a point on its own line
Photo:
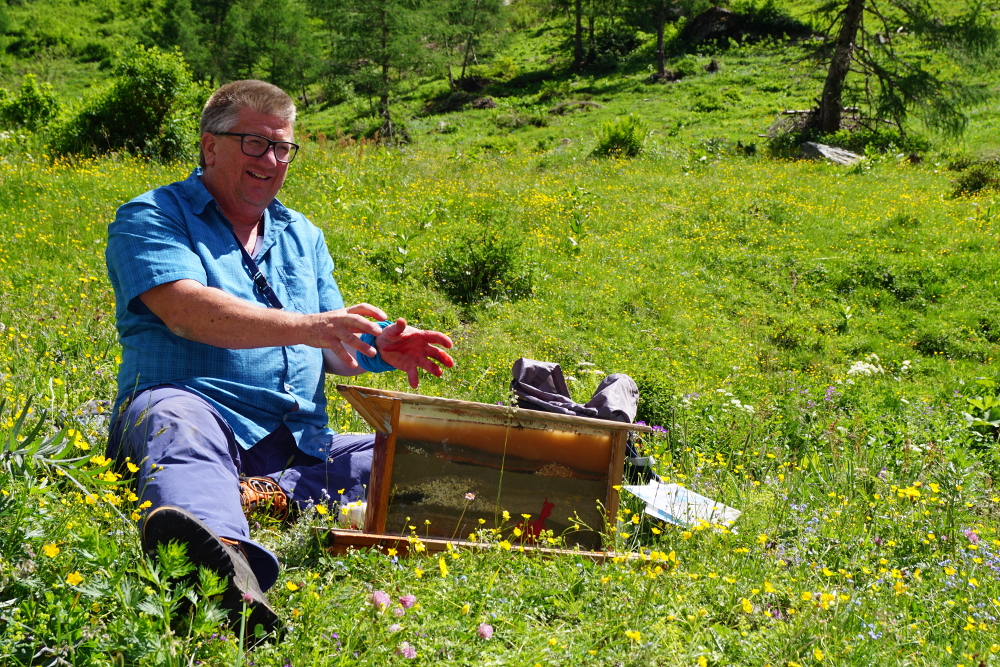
245 181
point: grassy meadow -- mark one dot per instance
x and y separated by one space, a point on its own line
809 337
817 345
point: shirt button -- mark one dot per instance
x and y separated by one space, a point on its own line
284 418
288 387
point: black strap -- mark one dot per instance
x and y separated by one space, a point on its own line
259 281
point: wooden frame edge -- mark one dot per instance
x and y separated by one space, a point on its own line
339 542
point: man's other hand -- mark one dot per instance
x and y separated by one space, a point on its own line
408 348
338 330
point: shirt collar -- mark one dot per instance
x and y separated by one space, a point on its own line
198 196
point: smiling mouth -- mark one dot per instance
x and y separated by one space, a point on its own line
258 176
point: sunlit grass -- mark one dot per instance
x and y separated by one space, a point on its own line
740 293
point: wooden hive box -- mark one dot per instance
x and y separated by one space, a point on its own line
432 455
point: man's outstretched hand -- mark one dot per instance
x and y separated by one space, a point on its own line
408 348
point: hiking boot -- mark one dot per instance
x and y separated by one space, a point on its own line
225 557
262 495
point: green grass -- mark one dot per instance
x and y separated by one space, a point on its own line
870 530
707 280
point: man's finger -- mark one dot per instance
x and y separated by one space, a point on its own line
436 338
344 355
367 310
395 329
430 367
354 341
411 375
358 324
440 355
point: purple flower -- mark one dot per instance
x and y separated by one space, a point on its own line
399 612
380 599
406 650
971 534
247 598
395 627
408 601
485 630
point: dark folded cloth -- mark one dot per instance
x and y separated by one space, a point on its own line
540 385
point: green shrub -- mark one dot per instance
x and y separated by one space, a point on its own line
980 177
708 101
612 45
515 121
503 68
151 108
482 265
624 136
503 144
34 105
859 140
554 90
906 281
365 127
685 66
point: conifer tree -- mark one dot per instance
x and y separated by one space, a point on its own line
470 23
651 16
869 68
376 42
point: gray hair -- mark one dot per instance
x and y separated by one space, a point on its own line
222 110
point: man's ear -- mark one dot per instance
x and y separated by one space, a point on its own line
208 148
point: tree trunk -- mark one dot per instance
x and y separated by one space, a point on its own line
590 32
468 43
661 21
578 36
383 100
831 104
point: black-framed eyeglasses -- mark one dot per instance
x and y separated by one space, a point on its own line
255 145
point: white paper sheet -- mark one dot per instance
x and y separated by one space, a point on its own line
680 506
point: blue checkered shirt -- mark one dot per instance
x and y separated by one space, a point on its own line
178 232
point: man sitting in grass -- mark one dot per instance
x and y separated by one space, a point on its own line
225 305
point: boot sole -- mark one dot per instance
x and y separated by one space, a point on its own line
206 549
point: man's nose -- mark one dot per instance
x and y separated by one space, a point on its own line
269 156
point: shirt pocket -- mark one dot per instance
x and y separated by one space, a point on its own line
299 290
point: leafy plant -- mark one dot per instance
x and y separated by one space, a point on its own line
485 264
30 452
32 107
625 136
150 108
579 210
554 90
394 260
986 420
984 176
514 121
